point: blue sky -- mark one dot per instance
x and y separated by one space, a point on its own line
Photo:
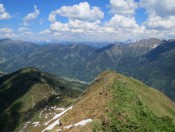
89 20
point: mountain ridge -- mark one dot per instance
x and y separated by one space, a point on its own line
110 89
27 90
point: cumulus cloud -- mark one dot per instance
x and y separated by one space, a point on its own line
82 19
86 26
161 14
162 8
84 22
83 11
58 26
123 7
31 16
119 21
123 26
6 32
75 26
123 20
156 22
3 13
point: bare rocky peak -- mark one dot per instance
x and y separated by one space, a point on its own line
150 43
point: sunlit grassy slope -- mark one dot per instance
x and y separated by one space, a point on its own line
118 103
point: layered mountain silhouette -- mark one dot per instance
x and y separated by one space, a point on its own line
149 60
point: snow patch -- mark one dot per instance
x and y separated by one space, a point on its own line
58 115
42 112
68 127
81 123
61 109
154 46
53 107
26 124
50 127
35 123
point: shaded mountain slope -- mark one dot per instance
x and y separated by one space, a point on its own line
10 48
26 91
163 48
157 69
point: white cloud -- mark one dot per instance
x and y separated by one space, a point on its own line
8 35
75 26
123 7
83 11
161 15
156 22
84 23
58 26
3 14
119 21
162 8
46 31
6 30
118 28
124 25
86 26
31 16
23 29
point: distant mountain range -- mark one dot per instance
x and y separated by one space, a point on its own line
149 60
33 101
